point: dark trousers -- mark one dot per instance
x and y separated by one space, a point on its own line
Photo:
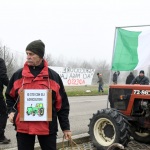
3 118
100 88
27 141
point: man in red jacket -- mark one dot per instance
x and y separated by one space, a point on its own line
36 75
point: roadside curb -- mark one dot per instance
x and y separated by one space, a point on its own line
81 138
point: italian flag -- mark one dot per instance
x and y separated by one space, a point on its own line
131 50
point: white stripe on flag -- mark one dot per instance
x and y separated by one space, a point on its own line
143 50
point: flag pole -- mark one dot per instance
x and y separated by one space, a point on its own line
115 37
133 26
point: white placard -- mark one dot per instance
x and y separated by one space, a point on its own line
35 105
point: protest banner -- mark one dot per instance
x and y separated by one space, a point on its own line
74 76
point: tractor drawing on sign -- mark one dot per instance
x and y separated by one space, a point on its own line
37 110
128 116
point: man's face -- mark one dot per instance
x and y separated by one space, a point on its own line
33 59
141 74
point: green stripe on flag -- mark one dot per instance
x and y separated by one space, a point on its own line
125 56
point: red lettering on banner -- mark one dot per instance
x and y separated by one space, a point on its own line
76 82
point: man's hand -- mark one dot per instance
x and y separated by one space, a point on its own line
11 116
67 134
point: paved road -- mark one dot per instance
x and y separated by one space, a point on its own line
81 108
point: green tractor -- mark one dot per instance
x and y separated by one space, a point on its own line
38 109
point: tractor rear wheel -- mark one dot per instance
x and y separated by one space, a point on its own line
107 127
41 111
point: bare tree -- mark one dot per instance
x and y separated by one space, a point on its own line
86 64
73 64
9 60
50 60
1 52
61 61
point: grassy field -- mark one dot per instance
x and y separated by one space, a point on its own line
88 90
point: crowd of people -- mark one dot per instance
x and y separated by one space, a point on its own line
131 79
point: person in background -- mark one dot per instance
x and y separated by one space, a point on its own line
130 78
36 75
100 81
115 76
141 79
3 109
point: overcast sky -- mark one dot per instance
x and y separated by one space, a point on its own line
74 29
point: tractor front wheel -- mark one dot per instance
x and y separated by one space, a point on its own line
27 113
107 127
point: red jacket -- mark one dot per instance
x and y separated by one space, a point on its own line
47 78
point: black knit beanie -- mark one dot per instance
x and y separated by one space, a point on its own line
37 47
142 71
